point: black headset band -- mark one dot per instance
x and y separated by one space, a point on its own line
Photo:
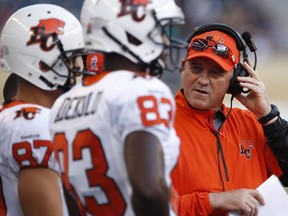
219 27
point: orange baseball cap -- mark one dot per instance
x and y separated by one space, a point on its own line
213 38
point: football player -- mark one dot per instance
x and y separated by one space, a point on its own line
40 44
113 133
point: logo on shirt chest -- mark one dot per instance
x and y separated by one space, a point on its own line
246 147
27 112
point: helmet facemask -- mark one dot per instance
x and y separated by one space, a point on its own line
72 62
173 47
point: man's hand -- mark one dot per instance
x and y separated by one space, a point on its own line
257 100
245 201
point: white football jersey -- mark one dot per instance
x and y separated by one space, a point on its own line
25 142
89 124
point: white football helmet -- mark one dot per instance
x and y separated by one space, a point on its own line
167 12
37 35
134 29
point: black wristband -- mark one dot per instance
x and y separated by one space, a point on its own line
272 114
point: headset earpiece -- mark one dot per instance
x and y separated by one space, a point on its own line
234 86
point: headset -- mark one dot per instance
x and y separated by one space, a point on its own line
234 86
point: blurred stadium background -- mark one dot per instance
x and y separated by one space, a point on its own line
266 21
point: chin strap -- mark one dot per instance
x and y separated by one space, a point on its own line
47 82
66 87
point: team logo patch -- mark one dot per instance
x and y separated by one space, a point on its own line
45 33
135 8
95 62
246 147
27 112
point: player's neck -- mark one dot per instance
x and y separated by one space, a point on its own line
29 93
119 62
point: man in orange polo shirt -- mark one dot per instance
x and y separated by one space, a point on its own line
223 155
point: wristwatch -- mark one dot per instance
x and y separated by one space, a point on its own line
272 114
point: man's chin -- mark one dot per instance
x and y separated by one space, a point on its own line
199 104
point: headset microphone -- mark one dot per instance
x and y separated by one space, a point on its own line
250 43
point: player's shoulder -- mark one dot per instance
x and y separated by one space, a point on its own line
22 106
27 111
22 116
130 82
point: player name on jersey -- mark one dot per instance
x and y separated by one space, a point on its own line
79 106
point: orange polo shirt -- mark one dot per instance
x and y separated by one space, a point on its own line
249 159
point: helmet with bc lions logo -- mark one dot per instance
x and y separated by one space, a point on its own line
131 28
38 43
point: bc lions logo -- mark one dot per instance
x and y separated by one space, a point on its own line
27 113
45 30
246 147
215 38
134 7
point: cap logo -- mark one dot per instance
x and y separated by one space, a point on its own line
45 33
215 38
135 8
